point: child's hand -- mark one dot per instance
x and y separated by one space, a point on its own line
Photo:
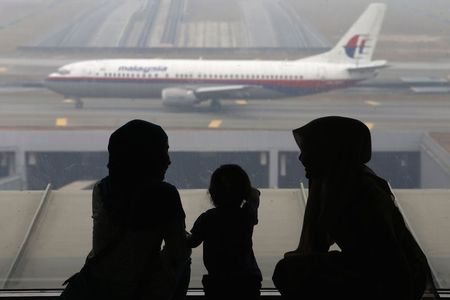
253 198
252 204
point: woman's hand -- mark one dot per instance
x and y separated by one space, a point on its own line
252 204
253 198
292 253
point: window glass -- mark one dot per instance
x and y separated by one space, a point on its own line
56 117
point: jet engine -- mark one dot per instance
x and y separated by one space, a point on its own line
179 97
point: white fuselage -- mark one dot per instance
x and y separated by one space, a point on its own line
147 78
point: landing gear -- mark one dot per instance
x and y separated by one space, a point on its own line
78 103
215 105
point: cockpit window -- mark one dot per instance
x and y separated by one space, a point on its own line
63 71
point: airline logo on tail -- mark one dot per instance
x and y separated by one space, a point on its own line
356 45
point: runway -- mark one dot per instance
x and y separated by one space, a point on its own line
39 108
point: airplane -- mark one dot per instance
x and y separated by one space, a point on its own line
188 82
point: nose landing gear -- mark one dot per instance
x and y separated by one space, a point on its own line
79 103
215 105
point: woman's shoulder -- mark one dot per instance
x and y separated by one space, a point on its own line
378 196
96 188
168 198
209 213
97 204
167 189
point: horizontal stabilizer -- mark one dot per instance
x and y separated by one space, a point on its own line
378 64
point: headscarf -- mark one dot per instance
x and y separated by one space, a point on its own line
332 141
137 150
334 151
138 159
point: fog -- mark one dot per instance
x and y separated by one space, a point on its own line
411 27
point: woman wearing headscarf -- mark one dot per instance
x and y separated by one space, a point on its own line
348 204
134 211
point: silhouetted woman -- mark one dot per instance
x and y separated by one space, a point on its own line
134 211
226 232
348 204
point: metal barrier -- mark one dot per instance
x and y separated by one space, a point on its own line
24 244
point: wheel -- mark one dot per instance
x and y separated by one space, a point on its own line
215 105
79 103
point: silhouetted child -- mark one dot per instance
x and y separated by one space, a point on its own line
226 232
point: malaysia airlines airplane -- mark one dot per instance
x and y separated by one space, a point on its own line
182 82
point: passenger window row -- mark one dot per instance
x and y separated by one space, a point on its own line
206 76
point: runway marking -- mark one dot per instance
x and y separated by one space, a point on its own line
215 123
370 125
69 101
3 70
372 103
241 102
61 122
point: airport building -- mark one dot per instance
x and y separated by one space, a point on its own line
31 159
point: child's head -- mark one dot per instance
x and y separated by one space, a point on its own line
229 186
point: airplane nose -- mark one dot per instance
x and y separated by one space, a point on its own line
49 77
49 81
52 75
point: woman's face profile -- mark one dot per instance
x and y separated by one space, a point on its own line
305 158
311 159
165 161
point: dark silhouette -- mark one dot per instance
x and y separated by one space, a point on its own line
348 204
134 211
226 232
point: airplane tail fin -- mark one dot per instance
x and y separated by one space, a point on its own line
358 44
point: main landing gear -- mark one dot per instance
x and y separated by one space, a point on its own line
215 105
78 103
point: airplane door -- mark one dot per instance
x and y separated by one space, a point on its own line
89 74
321 74
87 70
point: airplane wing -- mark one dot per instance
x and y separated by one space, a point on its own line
222 91
193 94
378 64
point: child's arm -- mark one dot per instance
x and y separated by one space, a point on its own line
252 204
197 233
